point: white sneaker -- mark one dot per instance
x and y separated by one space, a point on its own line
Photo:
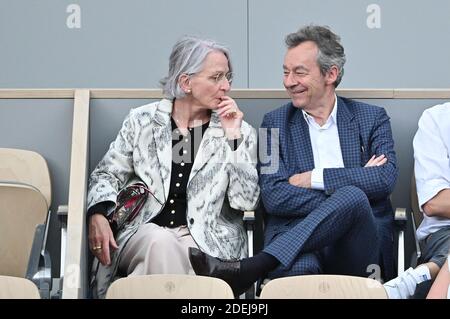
404 286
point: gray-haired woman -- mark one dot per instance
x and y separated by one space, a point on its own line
197 157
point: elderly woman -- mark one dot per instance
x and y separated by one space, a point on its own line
196 156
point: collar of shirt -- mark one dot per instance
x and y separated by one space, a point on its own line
332 119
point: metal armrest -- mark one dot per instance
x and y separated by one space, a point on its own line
249 223
418 249
62 216
400 222
57 283
39 263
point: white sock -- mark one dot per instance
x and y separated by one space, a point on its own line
423 272
404 286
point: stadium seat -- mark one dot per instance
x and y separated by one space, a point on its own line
26 167
17 288
25 199
169 287
23 208
323 287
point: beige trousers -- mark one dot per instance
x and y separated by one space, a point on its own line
157 250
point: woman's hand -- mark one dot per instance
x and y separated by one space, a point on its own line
101 238
230 117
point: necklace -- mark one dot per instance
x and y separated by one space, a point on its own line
192 123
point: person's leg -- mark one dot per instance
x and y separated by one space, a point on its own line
306 264
357 251
344 221
441 286
345 213
157 250
185 241
436 248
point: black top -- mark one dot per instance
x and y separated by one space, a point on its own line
184 150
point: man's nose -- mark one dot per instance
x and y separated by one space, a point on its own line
289 80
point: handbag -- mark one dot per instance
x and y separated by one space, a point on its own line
130 201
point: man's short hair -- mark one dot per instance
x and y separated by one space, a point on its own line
331 52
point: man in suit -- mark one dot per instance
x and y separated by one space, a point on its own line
326 181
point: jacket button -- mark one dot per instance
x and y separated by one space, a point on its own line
191 221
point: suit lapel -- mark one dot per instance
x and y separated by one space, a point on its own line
348 135
302 141
162 133
208 145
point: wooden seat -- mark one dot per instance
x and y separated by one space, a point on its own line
17 288
25 199
323 287
26 167
23 208
169 287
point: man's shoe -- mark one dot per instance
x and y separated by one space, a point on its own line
227 270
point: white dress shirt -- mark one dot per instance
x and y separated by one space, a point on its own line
325 145
431 162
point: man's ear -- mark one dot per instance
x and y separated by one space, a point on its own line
185 82
332 75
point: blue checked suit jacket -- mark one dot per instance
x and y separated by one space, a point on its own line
364 130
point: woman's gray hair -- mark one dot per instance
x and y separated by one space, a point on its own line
187 57
331 52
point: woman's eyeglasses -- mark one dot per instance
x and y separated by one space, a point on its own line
219 77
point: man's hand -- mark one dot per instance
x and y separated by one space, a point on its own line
301 180
376 161
304 179
101 238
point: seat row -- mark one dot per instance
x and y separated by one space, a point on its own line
25 198
199 287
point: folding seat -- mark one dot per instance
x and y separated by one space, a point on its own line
23 208
17 288
323 287
169 287
25 198
26 167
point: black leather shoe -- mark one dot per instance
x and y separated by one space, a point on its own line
227 270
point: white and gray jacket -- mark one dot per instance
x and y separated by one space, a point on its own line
221 185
